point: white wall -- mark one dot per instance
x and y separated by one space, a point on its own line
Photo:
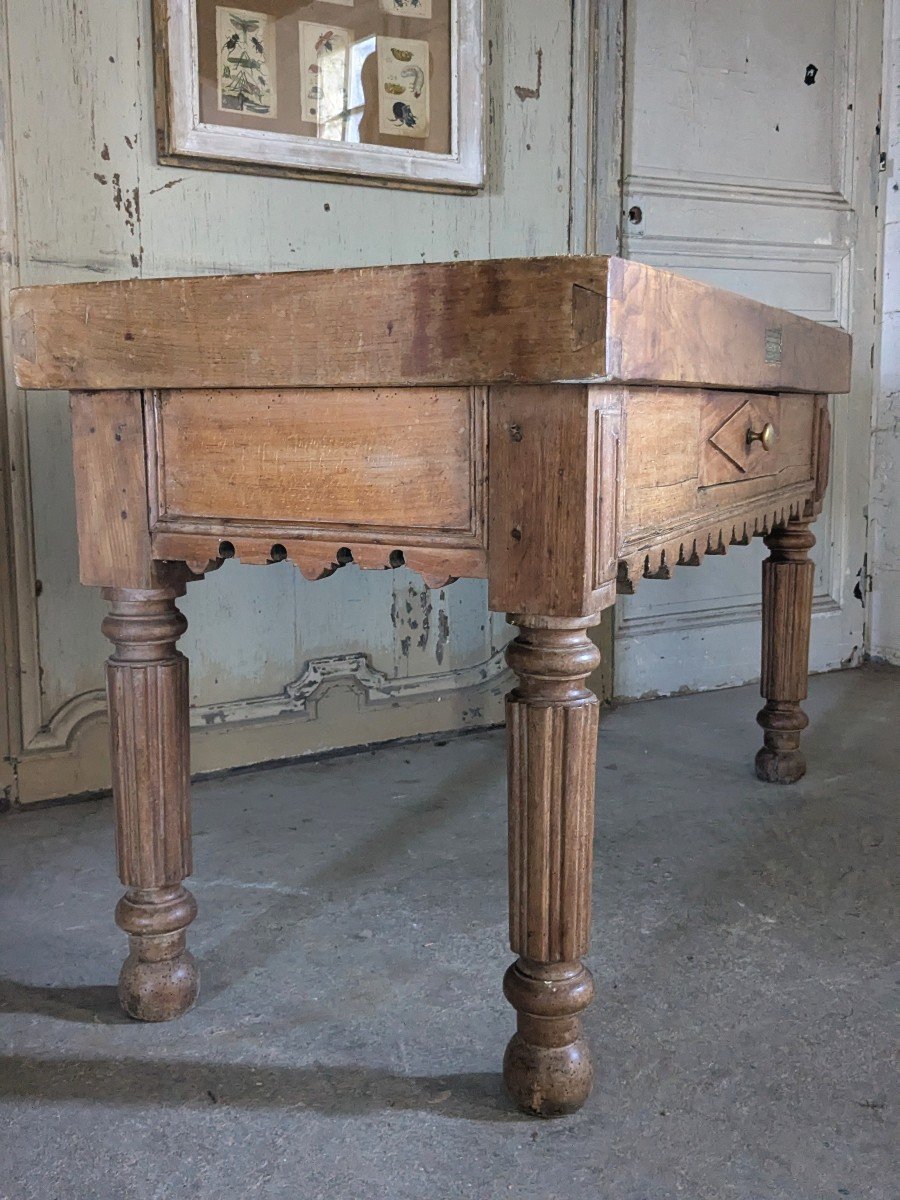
884 507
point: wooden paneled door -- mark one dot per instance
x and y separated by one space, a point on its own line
750 162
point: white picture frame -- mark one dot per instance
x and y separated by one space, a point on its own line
186 140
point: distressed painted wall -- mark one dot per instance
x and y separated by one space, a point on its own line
884 507
91 202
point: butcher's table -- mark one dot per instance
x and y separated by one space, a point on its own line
562 427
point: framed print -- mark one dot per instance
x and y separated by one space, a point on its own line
386 92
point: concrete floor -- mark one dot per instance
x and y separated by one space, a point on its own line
352 941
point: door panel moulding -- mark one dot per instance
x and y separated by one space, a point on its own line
299 699
272 728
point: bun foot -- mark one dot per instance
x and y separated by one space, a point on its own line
548 1081
158 990
780 766
780 759
159 979
547 1067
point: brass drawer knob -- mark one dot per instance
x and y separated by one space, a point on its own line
766 436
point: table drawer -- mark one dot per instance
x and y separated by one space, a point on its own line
688 461
751 436
367 459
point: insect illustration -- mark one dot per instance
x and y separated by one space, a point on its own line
326 41
401 55
245 24
394 89
244 87
403 115
417 75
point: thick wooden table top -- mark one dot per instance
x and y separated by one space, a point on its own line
527 321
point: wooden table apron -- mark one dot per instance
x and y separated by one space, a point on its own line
561 427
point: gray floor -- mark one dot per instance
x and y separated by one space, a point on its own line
352 941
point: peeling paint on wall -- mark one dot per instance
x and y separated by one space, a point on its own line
527 93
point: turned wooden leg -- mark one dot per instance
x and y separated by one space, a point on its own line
786 615
147 684
552 720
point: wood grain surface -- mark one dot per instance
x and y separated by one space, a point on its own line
552 507
542 320
664 328
448 323
111 489
406 458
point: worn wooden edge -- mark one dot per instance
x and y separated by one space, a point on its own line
110 329
688 317
298 531
457 324
823 438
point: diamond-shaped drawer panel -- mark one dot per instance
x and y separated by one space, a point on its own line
748 435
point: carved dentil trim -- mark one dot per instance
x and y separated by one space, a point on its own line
715 539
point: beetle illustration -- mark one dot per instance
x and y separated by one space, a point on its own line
232 42
403 115
258 46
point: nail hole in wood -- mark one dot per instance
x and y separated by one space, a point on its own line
278 553
344 556
397 558
226 550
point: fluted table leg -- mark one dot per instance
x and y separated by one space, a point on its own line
552 720
147 684
788 575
